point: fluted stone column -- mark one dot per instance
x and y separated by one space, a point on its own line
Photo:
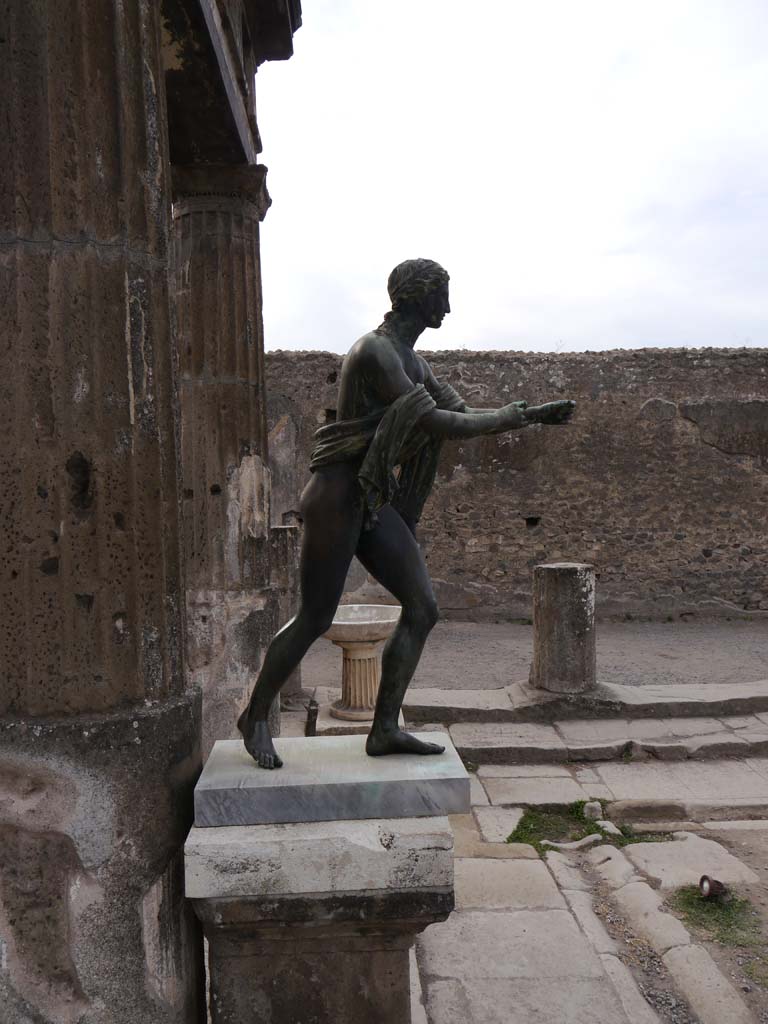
360 677
99 741
236 585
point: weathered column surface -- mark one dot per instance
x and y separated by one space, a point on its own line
235 571
313 920
99 742
360 677
564 627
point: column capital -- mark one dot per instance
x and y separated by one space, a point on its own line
245 182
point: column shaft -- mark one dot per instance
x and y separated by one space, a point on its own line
564 658
99 743
235 581
90 583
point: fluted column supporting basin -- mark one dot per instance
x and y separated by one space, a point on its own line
358 629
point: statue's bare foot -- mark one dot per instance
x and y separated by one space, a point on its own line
395 741
258 742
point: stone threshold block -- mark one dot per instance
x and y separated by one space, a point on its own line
328 778
522 703
315 921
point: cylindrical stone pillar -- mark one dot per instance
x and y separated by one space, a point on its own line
99 742
233 604
360 677
563 627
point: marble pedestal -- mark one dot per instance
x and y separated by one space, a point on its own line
313 921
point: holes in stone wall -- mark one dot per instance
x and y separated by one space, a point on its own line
532 521
215 489
84 601
49 567
332 377
80 473
330 416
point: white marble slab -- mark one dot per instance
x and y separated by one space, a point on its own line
328 778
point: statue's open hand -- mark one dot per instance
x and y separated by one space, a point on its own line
551 413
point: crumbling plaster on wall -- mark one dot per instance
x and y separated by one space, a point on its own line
93 811
661 480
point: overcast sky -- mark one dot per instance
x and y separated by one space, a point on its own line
591 174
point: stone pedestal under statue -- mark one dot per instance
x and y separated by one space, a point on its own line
314 920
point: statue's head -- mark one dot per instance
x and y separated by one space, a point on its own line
420 286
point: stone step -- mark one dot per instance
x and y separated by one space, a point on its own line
522 703
723 789
580 740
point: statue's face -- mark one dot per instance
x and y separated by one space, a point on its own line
436 306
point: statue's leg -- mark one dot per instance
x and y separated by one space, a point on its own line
332 513
390 553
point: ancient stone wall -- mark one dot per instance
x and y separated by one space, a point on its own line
661 481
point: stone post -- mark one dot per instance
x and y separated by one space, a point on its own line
99 740
235 576
563 627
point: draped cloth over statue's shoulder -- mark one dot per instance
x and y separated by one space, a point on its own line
386 439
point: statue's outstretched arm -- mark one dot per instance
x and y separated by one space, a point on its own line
468 422
444 424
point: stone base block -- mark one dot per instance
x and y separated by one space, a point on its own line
315 922
94 811
326 778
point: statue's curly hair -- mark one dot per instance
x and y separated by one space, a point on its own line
413 279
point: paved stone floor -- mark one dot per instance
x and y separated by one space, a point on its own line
483 655
729 783
586 935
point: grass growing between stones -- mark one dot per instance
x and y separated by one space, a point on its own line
568 825
731 922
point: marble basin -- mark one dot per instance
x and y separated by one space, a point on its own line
363 623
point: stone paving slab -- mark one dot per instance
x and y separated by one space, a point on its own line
525 1001
522 703
505 885
469 843
496 823
523 771
721 780
735 826
477 795
508 742
451 706
578 740
685 860
533 791
543 945
565 872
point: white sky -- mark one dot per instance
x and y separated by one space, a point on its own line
592 173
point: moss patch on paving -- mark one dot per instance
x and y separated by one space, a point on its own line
567 825
731 922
